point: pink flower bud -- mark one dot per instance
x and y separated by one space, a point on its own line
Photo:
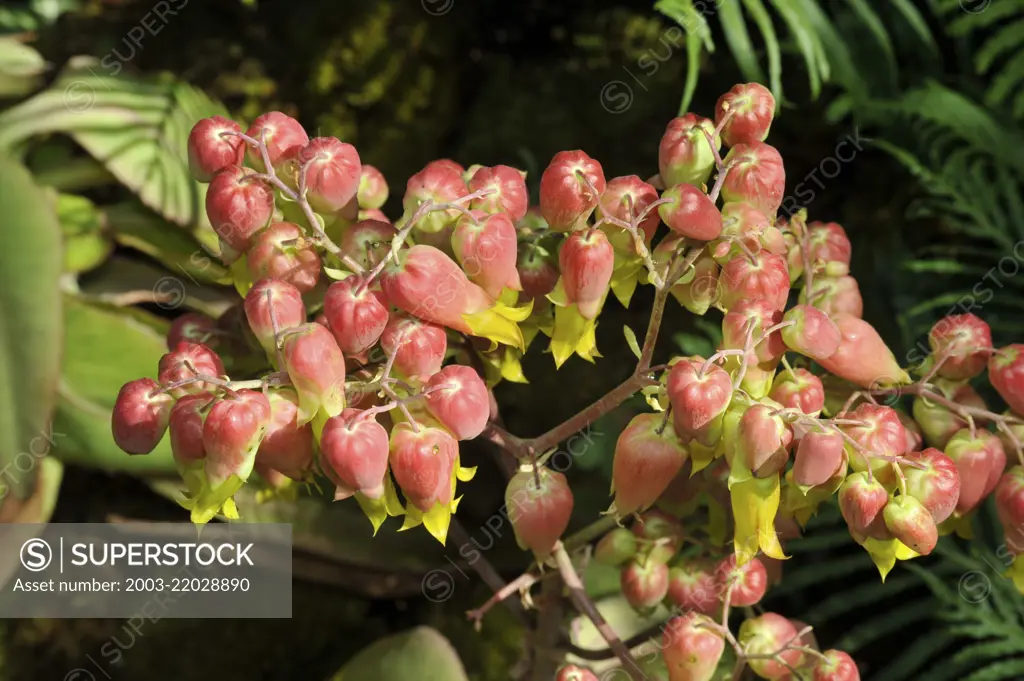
616 547
532 223
937 485
979 459
684 154
423 463
863 358
316 367
438 184
283 135
140 416
827 242
354 453
760 438
573 673
835 296
357 315
332 173
800 390
882 433
457 397
373 188
587 260
567 189
691 213
232 433
749 581
487 250
836 666
537 275
911 523
765 636
1009 496
762 315
508 191
756 176
191 327
647 457
814 335
186 361
765 276
419 347
428 284
693 586
287 447
644 585
861 501
624 199
368 242
744 223
698 289
697 400
445 164
271 304
238 207
691 649
539 514
752 107
938 423
209 152
186 428
962 341
662 532
820 456
280 252
1006 373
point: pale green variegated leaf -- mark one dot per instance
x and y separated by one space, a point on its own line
137 128
21 68
30 316
136 227
422 654
85 244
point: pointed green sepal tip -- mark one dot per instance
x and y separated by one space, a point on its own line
374 509
240 277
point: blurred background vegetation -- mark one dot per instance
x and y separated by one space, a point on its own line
98 97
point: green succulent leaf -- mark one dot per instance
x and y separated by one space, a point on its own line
422 654
30 321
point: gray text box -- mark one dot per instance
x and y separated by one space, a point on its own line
147 570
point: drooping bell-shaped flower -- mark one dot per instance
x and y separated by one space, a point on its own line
485 245
357 315
457 397
316 367
354 453
273 305
140 416
750 108
863 358
567 189
587 261
287 447
648 455
539 504
418 347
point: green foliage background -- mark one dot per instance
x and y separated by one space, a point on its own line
932 203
